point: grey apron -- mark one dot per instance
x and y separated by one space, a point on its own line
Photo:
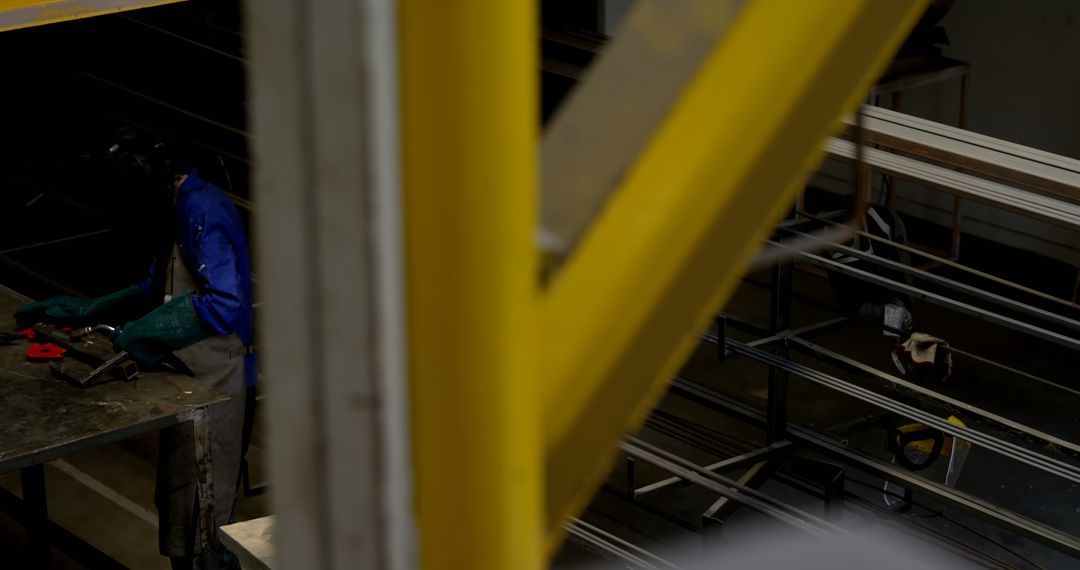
217 362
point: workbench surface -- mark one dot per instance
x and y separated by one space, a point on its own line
252 542
43 418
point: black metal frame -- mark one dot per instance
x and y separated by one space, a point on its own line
607 544
776 460
779 320
821 443
774 421
791 470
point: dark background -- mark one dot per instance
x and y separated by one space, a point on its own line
174 73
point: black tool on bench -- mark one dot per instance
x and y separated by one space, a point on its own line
93 358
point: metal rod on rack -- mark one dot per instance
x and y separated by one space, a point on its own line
936 299
1012 370
779 320
979 508
723 486
999 195
1045 463
615 545
186 39
55 241
167 105
976 292
862 319
1056 442
719 467
949 263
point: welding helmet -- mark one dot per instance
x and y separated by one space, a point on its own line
153 160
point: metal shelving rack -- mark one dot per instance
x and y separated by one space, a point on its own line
1012 306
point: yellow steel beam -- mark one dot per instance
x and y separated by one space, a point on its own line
627 91
15 14
666 251
469 103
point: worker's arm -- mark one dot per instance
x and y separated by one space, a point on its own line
152 287
116 307
191 317
128 303
216 268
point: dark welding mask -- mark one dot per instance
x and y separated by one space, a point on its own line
142 162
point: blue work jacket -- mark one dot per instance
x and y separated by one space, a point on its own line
213 247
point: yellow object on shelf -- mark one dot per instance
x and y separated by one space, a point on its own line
926 446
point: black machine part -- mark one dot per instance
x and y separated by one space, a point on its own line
897 440
856 297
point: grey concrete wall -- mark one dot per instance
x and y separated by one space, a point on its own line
1025 56
1025 88
614 10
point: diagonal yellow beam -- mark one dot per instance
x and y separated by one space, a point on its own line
668 248
15 14
609 117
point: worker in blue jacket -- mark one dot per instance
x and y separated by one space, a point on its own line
194 310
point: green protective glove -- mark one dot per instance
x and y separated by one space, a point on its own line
119 305
65 307
170 327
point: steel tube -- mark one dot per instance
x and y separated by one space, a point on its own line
728 488
724 507
764 340
1002 421
936 299
612 549
948 283
945 261
1050 465
966 185
644 557
1012 370
1004 518
718 467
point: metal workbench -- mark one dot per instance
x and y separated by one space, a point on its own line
44 418
252 542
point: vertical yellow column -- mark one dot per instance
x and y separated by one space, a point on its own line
469 91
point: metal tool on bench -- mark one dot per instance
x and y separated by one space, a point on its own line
45 351
93 361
